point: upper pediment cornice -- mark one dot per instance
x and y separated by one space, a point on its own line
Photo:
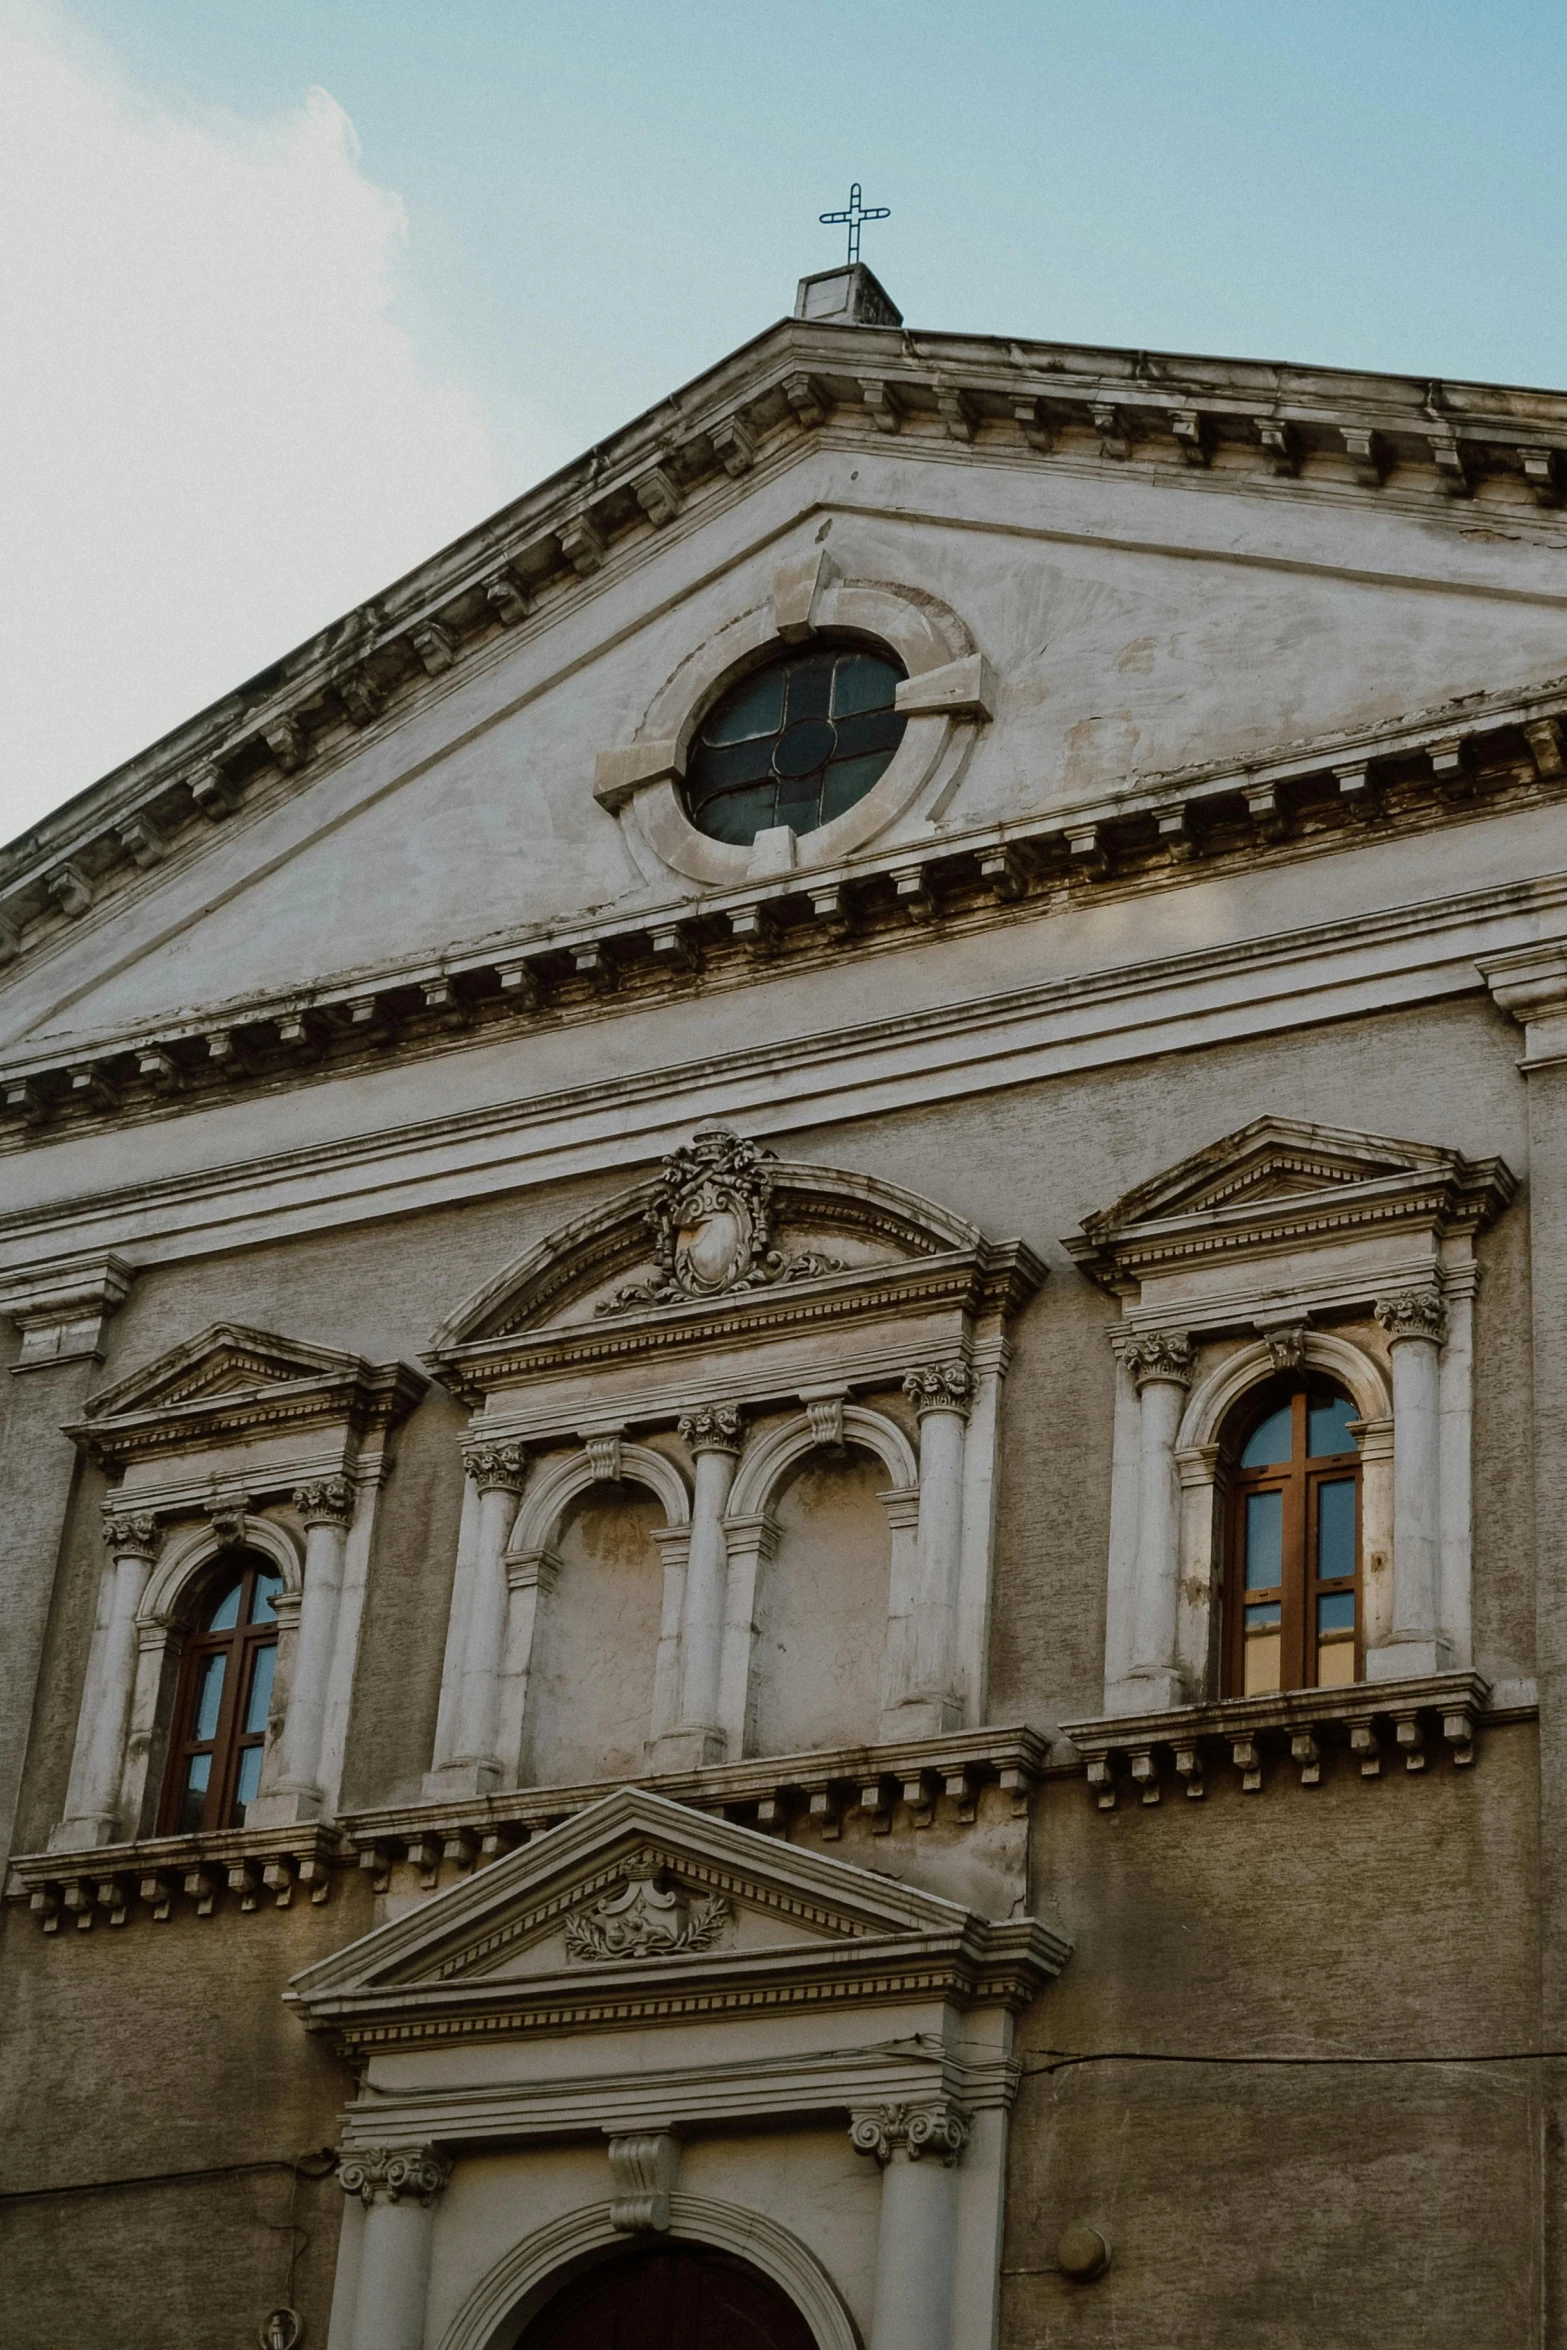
1248 424
1478 755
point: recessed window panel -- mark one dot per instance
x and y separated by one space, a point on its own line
1264 1541
193 1799
225 1613
1271 1441
260 1697
263 1603
248 1781
209 1696
1335 1612
1327 1426
796 743
1335 1530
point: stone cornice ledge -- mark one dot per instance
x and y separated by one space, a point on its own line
1373 1722
256 1868
925 1776
1435 767
1410 954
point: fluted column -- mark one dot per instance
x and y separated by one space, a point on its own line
92 1805
398 2187
498 1472
1416 1324
916 2244
1160 1362
714 1436
327 1508
932 1701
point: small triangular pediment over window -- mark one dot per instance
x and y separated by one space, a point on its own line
1278 1178
638 1902
230 1379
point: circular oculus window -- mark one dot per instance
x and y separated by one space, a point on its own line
795 743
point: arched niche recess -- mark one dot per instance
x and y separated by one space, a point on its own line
729 1319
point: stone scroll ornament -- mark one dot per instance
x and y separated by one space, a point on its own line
711 1221
645 1918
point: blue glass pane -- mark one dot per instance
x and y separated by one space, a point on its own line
861 682
1269 1611
193 1796
209 1697
757 710
1271 1442
249 1780
1336 1612
260 1692
1335 1530
262 1607
1327 1426
1264 1541
810 687
226 1614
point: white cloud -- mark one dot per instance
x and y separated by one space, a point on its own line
214 436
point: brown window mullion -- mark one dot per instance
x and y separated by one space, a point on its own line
1293 1653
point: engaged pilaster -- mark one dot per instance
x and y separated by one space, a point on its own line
499 1472
714 1435
1416 1324
917 2146
398 2187
931 1700
93 1799
327 1508
1160 1363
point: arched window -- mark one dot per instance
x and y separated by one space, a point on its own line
225 1692
1292 1619
795 743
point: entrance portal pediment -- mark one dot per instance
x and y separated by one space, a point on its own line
640 1909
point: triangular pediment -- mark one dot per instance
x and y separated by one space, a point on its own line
224 1377
1278 1171
631 1893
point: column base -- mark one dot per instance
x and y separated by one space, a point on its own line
456 1780
1146 1693
86 1834
286 1807
1409 1660
686 1750
922 1717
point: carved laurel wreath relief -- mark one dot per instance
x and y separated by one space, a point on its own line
646 1918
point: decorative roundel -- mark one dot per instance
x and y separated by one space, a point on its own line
795 743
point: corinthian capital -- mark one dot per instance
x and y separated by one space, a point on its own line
328 1501
1159 1354
386 2174
131 1534
1413 1313
496 1468
938 2127
714 1428
940 1387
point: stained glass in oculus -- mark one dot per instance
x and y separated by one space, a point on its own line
796 743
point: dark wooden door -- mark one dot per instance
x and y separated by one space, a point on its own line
675 2298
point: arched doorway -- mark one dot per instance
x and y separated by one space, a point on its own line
672 2297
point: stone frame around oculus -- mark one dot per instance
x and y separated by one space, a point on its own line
1288 1246
949 691
700 1336
236 1439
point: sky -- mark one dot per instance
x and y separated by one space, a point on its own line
294 291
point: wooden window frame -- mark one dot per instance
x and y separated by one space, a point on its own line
1300 1480
229 1742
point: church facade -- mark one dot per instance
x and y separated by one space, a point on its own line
784 1273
